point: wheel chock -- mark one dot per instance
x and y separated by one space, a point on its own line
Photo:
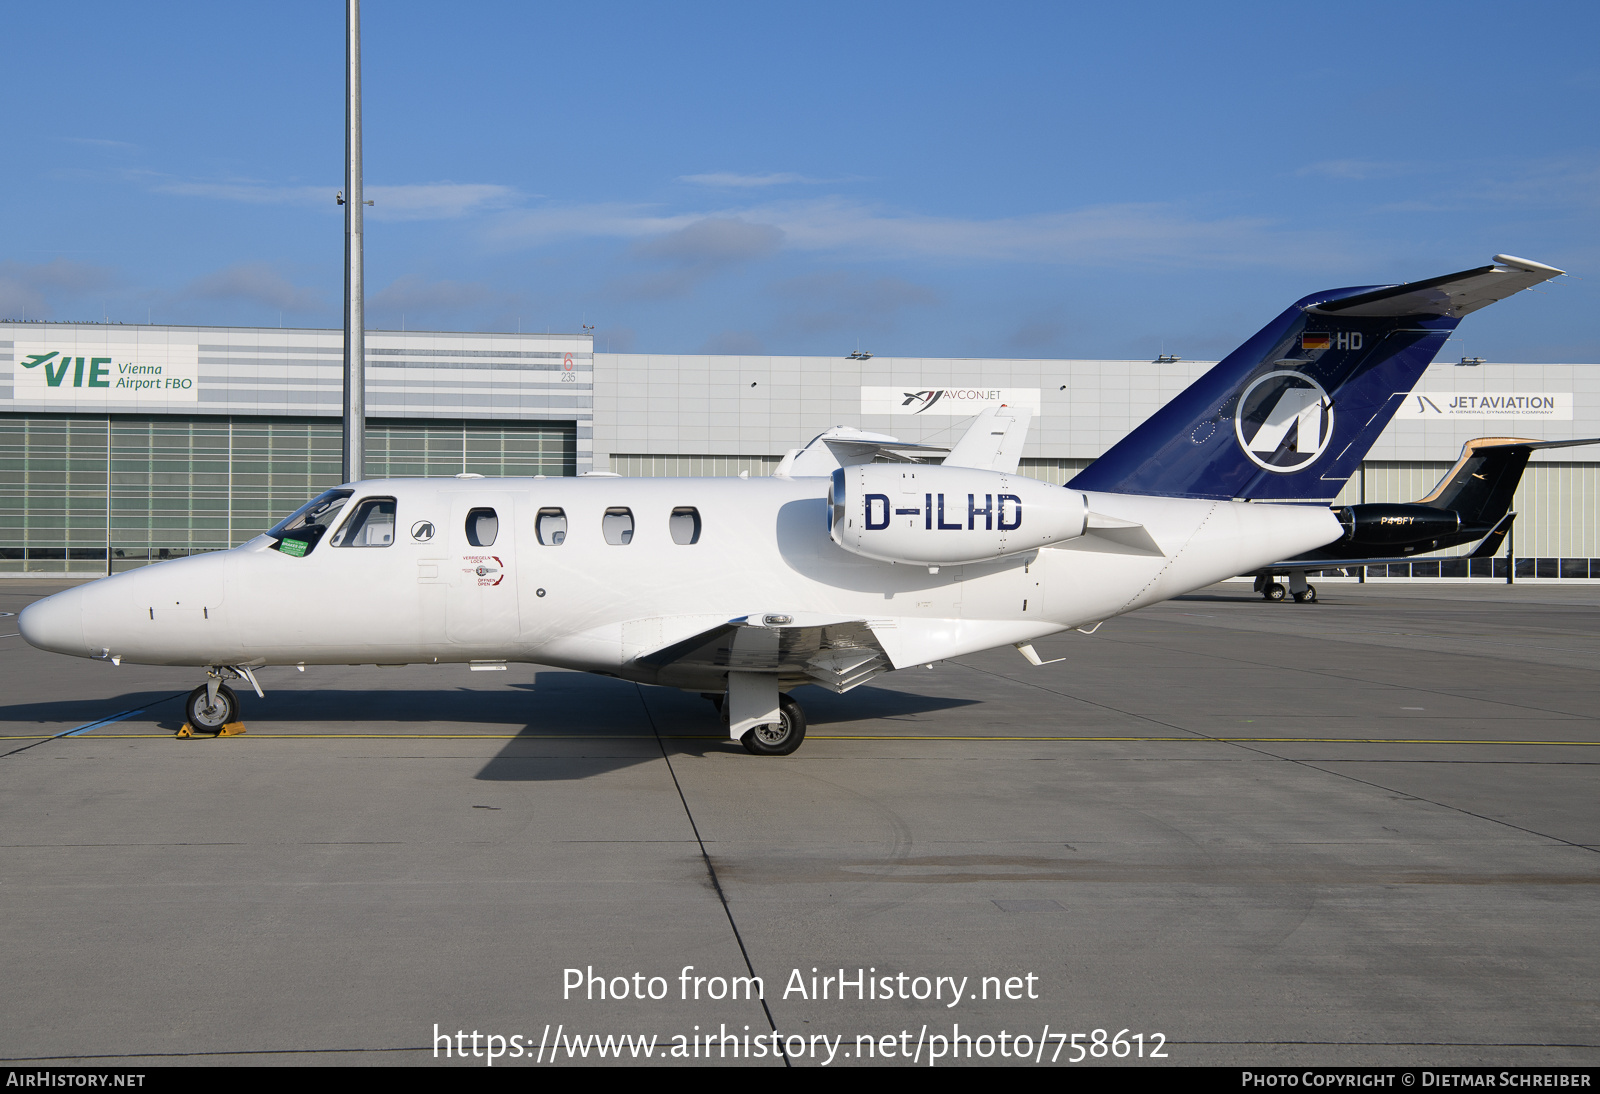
230 729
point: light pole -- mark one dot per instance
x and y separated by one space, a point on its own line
355 328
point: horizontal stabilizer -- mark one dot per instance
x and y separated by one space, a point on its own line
846 446
1491 542
1455 295
994 440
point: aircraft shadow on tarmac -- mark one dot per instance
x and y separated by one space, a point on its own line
567 725
592 713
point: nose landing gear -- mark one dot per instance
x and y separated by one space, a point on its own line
213 707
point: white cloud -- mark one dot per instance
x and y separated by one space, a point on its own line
28 290
1360 170
257 283
437 200
731 181
697 251
420 201
714 241
840 300
411 293
1098 235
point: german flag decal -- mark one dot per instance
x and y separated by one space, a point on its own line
1314 341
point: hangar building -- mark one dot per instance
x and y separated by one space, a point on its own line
126 444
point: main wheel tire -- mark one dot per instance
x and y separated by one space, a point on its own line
1299 598
779 738
199 712
1273 591
1311 594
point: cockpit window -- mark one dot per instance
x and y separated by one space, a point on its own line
372 525
298 533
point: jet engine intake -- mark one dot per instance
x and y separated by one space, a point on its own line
945 516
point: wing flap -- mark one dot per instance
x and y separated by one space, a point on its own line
835 651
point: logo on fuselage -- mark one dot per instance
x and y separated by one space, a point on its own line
422 531
1284 422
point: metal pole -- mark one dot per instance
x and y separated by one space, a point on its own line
355 359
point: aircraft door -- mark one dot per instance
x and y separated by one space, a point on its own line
481 607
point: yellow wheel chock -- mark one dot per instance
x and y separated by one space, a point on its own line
229 729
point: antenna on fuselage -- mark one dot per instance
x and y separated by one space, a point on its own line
355 328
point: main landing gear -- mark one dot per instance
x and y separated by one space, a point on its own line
765 722
1299 588
777 738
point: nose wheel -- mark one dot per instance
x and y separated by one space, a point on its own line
208 712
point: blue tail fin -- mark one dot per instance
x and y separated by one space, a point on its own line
1289 415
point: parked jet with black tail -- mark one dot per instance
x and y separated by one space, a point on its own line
1471 503
835 569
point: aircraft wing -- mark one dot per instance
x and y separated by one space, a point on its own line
838 652
994 440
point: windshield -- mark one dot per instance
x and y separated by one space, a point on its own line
298 533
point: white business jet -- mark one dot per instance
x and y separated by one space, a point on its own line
853 559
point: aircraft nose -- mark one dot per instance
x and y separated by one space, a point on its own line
55 623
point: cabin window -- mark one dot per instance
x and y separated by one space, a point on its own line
685 524
552 527
617 525
298 533
483 527
372 525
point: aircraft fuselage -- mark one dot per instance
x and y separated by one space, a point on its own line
599 599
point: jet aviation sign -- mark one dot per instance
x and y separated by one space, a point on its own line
1549 405
78 368
948 401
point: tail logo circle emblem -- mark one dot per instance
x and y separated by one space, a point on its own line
1284 422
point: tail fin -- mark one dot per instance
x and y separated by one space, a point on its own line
1481 484
1289 415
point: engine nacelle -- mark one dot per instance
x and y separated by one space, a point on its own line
944 516
1390 524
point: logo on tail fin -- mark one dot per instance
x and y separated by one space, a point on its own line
1284 421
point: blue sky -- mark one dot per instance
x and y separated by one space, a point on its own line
1032 180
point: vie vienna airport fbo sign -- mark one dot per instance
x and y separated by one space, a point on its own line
88 367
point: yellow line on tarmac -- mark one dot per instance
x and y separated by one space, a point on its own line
812 736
